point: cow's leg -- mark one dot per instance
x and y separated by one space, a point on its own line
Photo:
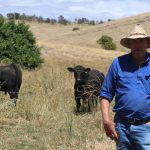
13 96
78 100
84 104
89 104
96 102
93 100
78 104
15 101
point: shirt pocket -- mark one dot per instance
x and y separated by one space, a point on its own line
146 83
125 80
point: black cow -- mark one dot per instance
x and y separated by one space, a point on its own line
87 85
10 80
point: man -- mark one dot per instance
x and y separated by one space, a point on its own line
128 79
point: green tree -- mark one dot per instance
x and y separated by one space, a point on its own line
62 20
18 45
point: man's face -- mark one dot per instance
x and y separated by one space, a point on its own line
138 45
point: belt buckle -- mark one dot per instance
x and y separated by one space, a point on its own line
133 121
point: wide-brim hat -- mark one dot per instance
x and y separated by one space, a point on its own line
137 33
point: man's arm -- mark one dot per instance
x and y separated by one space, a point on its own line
107 92
109 125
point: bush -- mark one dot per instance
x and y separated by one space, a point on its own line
75 28
18 45
107 42
1 19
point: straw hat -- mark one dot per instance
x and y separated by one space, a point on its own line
137 32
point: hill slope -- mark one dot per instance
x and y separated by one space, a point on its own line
88 35
44 118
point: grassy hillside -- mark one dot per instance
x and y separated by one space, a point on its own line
88 35
44 117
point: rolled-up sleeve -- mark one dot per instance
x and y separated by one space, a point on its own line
109 85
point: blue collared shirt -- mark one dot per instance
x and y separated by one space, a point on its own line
130 85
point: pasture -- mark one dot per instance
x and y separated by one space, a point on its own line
44 118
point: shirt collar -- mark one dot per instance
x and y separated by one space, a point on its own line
147 57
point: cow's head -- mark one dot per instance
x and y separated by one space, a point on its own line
80 73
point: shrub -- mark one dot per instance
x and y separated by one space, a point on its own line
18 45
1 19
107 42
75 28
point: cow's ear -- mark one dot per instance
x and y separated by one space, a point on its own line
87 69
70 69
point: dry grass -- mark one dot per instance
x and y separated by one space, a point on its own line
44 117
88 35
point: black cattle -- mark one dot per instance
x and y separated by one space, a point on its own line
87 85
10 80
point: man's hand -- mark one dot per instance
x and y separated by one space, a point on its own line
109 126
110 131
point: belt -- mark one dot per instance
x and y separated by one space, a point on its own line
138 122
133 121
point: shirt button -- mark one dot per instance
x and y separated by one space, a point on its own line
138 81
139 74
